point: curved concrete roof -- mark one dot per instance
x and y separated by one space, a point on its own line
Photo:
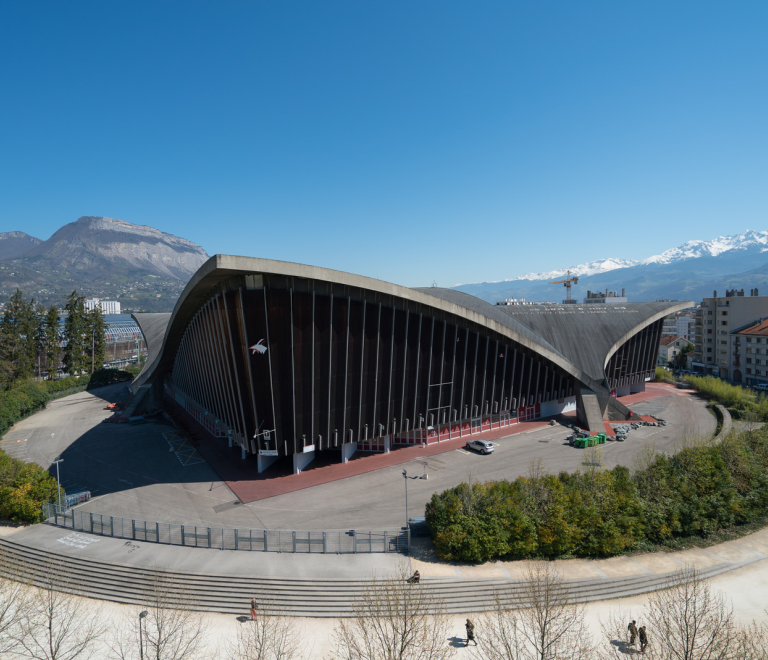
562 343
153 327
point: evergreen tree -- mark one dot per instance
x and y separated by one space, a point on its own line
75 329
51 339
18 333
39 338
95 338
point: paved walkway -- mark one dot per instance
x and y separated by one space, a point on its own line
729 555
327 585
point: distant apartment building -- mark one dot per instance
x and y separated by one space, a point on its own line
669 348
678 325
106 306
609 297
714 321
749 353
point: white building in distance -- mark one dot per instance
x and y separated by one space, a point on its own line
106 306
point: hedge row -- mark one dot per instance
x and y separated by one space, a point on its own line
604 512
731 396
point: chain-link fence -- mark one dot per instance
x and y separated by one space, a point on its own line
259 540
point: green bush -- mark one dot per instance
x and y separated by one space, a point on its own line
731 396
605 512
24 488
663 376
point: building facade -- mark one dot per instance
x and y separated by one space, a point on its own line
749 353
678 325
287 360
669 349
714 321
106 306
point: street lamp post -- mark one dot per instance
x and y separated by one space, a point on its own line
58 480
406 477
141 633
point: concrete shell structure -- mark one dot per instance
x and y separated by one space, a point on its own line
287 360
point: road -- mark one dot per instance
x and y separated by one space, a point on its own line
137 472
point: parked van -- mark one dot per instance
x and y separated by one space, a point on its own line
761 387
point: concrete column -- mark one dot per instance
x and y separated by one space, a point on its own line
300 461
386 444
347 449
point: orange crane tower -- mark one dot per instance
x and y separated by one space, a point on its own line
567 282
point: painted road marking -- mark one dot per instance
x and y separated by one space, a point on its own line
186 453
76 540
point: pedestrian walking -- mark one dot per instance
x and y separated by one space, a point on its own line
643 639
632 627
254 609
470 632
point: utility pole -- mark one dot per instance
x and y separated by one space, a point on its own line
93 347
58 480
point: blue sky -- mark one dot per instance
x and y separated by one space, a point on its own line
410 141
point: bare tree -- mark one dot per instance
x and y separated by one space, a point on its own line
538 621
395 620
749 421
59 624
645 458
171 629
270 636
687 621
592 459
752 643
616 634
15 603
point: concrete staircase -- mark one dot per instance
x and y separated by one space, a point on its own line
231 594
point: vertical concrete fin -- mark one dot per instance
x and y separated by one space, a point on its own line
588 410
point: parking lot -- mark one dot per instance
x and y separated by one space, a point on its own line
147 472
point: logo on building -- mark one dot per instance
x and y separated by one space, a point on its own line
259 346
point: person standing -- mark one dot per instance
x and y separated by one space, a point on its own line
254 609
643 639
632 627
470 632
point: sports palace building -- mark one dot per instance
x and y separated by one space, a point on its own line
280 359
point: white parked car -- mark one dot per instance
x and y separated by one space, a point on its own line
483 446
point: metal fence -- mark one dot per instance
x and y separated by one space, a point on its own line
258 540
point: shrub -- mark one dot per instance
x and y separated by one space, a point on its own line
731 396
663 376
24 488
604 512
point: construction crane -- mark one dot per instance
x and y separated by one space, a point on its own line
567 282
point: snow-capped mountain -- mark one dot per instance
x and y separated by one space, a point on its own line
690 250
696 249
588 268
687 272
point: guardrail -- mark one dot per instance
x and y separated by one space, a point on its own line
257 540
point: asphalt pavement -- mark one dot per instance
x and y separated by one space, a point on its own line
150 472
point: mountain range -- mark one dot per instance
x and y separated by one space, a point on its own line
142 267
146 269
690 271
